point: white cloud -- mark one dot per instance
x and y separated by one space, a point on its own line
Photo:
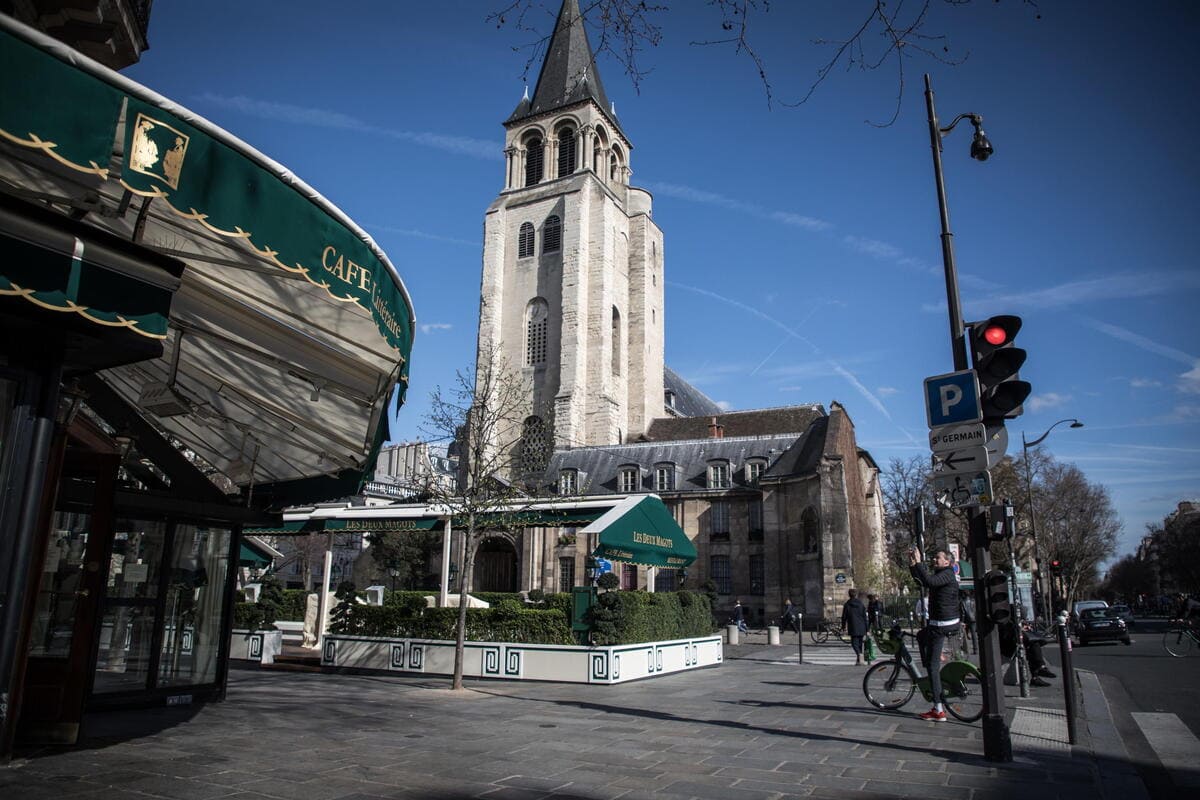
800 221
419 234
886 391
1048 400
325 118
724 405
874 247
1145 383
694 195
430 327
1141 342
1189 382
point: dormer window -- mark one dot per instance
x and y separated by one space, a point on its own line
669 396
664 477
718 475
754 470
568 481
628 480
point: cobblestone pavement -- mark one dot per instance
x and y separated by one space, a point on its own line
755 727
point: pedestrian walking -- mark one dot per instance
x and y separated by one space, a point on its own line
921 609
943 622
739 616
788 618
854 622
874 612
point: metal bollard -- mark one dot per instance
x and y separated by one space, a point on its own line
772 634
1068 675
800 636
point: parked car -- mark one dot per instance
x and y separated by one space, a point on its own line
1101 625
1125 613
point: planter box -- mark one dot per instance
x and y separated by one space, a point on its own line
260 646
293 632
528 662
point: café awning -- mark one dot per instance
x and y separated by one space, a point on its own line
290 329
303 527
641 530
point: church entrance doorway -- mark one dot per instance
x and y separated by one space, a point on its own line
495 566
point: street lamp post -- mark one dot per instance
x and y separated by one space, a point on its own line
1037 551
393 571
997 744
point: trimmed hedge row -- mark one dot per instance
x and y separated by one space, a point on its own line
632 617
504 623
247 616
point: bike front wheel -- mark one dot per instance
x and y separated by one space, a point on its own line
819 635
1179 642
889 685
843 637
963 695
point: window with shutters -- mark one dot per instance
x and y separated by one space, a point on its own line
534 158
718 572
627 480
664 478
718 475
754 471
567 481
552 235
566 152
525 240
537 316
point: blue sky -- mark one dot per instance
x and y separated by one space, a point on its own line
802 255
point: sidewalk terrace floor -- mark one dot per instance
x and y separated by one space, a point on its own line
757 727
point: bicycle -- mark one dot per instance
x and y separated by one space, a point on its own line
820 634
888 685
1181 642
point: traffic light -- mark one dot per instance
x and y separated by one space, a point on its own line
999 608
1001 524
1056 568
997 363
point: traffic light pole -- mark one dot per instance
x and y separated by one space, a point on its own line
997 744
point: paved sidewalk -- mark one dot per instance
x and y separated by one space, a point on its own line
751 729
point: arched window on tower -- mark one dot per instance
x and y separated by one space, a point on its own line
537 315
552 235
566 152
616 341
616 161
525 240
534 453
534 159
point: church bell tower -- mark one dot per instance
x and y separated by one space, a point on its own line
572 288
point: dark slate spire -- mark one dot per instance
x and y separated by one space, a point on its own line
569 73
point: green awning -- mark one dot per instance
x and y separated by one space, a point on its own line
381 525
249 556
641 530
549 518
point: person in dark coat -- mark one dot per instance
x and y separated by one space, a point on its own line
967 613
788 618
739 616
874 612
943 620
854 623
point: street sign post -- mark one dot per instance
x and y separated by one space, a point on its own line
964 491
965 461
956 437
952 399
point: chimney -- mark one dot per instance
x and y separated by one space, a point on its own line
715 431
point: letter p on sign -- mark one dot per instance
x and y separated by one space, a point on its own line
951 396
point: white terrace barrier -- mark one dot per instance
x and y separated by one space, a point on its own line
530 662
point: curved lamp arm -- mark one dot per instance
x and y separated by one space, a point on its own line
1074 424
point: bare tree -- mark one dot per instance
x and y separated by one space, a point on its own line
1077 525
878 35
485 412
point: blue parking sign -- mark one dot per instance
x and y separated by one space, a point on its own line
952 399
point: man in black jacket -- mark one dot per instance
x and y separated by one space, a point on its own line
943 620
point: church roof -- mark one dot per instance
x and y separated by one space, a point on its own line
758 422
569 73
688 401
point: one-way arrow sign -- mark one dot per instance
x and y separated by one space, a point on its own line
966 460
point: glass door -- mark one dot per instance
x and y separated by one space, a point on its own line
129 609
194 604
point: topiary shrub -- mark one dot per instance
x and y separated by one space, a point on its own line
247 616
608 581
633 617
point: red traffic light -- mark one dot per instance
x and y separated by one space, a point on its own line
995 335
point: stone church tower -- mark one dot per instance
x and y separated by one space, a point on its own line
572 290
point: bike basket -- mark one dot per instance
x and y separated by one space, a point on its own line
887 646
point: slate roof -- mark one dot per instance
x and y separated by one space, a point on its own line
569 73
689 401
599 465
758 422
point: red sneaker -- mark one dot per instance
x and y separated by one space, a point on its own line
933 715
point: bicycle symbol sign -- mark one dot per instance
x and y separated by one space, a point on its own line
963 491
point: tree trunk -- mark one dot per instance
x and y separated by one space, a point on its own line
467 576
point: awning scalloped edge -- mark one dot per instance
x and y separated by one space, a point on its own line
37 143
83 311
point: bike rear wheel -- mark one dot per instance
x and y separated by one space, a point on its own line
963 696
843 637
889 685
820 634
1179 642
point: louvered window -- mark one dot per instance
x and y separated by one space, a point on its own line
552 235
537 315
534 158
566 152
525 240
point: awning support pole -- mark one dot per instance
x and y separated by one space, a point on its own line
650 572
326 573
444 592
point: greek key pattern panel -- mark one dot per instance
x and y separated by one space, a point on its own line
599 666
329 652
657 659
491 661
512 662
256 645
650 661
416 657
397 658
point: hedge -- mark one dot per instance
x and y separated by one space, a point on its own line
632 617
247 616
504 623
